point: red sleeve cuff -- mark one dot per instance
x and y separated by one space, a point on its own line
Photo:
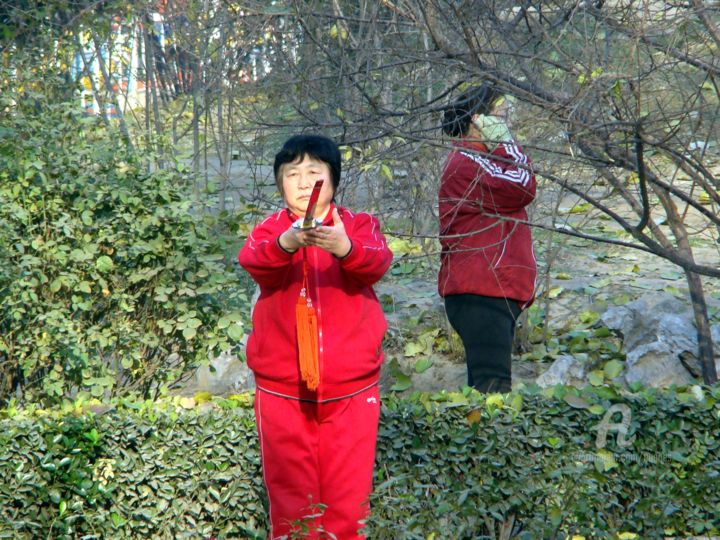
284 252
355 254
348 253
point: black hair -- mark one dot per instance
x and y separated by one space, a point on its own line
315 146
476 100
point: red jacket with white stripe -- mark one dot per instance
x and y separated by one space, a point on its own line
485 249
351 323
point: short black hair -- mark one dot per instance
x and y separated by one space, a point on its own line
476 100
315 146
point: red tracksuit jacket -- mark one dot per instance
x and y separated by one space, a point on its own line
484 251
351 323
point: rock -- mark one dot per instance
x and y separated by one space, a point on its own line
410 298
526 371
565 369
441 375
225 375
658 332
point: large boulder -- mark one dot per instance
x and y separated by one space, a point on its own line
226 374
659 338
565 369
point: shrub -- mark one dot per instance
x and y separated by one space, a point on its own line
449 466
110 280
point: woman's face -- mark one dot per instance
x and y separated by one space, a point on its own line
298 179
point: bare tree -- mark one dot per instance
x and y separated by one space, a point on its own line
625 93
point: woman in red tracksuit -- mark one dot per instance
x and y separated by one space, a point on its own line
317 425
488 270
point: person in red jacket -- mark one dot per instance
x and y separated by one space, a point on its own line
315 348
488 270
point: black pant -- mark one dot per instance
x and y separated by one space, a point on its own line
486 326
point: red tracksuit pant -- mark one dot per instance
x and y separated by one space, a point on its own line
317 461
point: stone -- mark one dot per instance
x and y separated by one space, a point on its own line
225 375
658 333
441 375
565 369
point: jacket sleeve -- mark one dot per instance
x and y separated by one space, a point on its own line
262 257
501 183
370 256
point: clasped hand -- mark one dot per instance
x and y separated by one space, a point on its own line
332 239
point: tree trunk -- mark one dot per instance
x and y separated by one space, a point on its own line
221 143
107 77
697 295
87 70
151 82
702 323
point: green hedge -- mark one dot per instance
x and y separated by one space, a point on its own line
454 466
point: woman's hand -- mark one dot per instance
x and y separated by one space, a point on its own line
332 239
492 128
293 239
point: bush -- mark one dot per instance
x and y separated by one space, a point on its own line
449 466
105 269
145 471
531 465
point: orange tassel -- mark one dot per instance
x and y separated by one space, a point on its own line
307 336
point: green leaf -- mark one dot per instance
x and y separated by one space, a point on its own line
413 348
589 316
580 208
621 299
576 402
193 323
613 368
596 409
554 292
596 378
224 322
555 515
423 364
605 462
104 264
402 383
116 519
79 255
602 332
189 333
84 286
236 332
674 291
